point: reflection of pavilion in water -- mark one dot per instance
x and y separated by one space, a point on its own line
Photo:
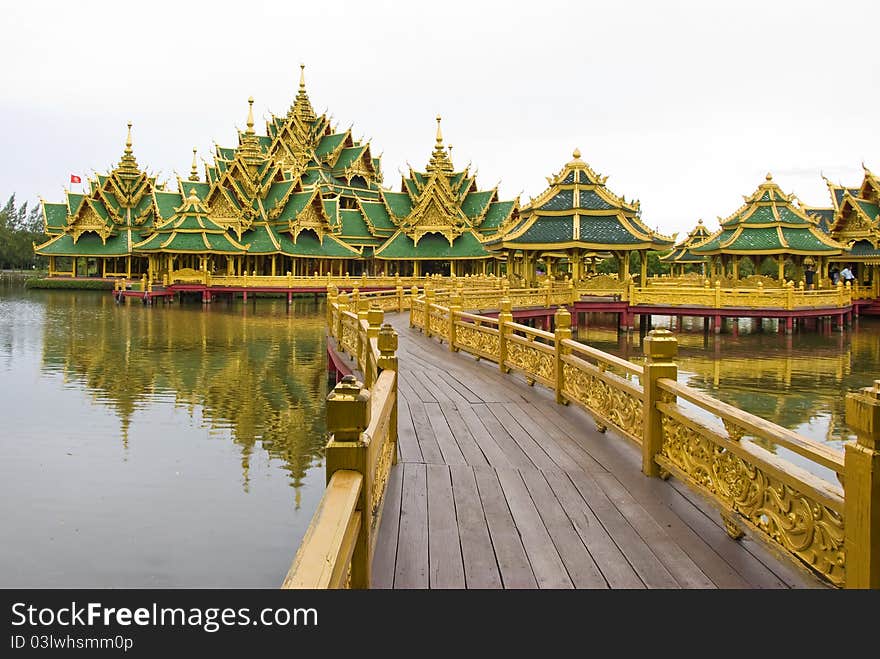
262 377
797 381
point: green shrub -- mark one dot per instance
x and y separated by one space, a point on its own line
70 284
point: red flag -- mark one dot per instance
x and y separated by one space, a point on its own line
75 179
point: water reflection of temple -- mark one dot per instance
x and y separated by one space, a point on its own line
797 381
260 377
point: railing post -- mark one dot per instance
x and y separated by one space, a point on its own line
861 484
429 300
789 295
331 300
454 307
342 303
548 292
717 293
374 316
413 294
399 296
504 317
388 362
573 292
348 415
562 322
661 347
355 299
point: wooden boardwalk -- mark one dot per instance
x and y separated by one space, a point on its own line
500 487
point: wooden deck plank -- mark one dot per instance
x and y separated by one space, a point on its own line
471 451
494 454
521 413
407 443
649 568
478 556
445 566
411 383
579 564
513 564
452 454
573 447
385 554
608 557
411 567
431 452
512 451
676 560
526 442
546 563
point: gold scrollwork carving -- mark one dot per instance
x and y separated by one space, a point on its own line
472 340
804 527
534 362
615 405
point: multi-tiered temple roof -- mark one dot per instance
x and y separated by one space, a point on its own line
769 223
682 253
579 211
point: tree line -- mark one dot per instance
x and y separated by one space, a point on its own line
20 228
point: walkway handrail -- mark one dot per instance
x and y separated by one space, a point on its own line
732 463
786 297
337 550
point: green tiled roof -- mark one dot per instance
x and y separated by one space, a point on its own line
548 230
377 215
331 206
561 201
190 230
681 255
329 144
307 244
498 212
228 154
569 178
411 186
347 156
607 230
202 189
265 142
475 202
871 210
787 216
261 239
167 203
276 193
56 216
399 203
432 246
295 205
353 224
864 248
824 215
88 244
801 240
73 202
589 199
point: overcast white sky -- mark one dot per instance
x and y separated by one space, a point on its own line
684 105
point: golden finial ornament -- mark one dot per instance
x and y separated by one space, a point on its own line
193 197
250 118
576 154
194 171
128 140
302 77
769 176
439 132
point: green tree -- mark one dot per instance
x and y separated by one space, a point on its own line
20 228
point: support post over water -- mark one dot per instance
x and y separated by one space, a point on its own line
862 488
661 348
348 415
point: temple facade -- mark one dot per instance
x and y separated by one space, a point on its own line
304 199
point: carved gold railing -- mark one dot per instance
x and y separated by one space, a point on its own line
788 297
735 459
337 549
286 281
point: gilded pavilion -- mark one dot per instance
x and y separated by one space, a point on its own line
577 218
854 220
302 199
681 257
769 225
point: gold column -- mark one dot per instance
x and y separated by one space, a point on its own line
736 268
644 278
781 261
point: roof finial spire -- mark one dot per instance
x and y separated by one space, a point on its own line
769 176
302 77
576 154
194 172
439 132
250 119
128 139
128 165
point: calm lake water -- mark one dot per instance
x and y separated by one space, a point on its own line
163 447
181 446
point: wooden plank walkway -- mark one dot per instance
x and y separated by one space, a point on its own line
499 487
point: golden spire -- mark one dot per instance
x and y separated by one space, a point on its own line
194 172
249 145
128 166
302 107
576 154
440 160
